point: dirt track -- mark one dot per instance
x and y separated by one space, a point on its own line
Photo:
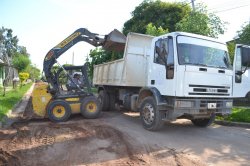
81 142
117 138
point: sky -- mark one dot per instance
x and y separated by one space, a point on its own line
42 24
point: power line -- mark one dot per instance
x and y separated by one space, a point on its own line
229 3
232 8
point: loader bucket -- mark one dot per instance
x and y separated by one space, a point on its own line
115 41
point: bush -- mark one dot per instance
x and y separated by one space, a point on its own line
23 77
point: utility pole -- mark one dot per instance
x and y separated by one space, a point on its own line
192 1
73 58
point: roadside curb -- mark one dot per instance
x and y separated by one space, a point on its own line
237 124
18 109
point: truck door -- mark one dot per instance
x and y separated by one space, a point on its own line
162 74
241 84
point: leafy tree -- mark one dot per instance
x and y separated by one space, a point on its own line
152 30
22 50
231 49
244 34
201 22
160 14
34 72
21 62
9 41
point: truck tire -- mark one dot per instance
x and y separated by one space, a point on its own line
112 101
90 107
58 111
204 122
103 97
150 116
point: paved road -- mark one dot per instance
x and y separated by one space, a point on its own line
215 145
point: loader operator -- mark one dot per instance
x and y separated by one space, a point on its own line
76 81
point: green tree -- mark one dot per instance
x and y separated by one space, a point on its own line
244 35
231 49
160 14
152 30
21 62
34 72
201 22
9 41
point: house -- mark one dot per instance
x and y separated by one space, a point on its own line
7 72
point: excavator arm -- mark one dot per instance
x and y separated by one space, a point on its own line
113 41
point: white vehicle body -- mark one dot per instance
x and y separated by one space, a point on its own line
241 87
195 81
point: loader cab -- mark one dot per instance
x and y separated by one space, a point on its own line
241 71
72 80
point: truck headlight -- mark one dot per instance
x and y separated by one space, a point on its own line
184 104
229 104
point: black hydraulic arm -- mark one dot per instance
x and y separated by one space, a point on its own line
81 34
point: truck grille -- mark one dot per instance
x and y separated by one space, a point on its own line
209 90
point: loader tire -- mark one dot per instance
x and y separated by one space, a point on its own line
90 107
58 111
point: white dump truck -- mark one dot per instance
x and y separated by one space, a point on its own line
177 75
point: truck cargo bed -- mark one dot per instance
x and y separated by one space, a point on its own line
130 70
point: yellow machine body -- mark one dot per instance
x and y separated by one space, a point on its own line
41 98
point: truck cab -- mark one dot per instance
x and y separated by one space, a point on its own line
196 74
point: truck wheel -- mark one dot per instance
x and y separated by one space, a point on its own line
103 97
151 117
112 102
204 122
59 111
90 107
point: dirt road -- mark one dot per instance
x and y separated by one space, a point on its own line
118 139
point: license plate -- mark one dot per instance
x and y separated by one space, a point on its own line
211 105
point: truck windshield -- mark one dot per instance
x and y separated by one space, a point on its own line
195 51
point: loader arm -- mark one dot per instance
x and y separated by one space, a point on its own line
81 34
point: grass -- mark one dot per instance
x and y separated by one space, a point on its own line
11 98
239 114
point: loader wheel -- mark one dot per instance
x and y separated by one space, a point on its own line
151 117
204 122
90 107
103 97
59 111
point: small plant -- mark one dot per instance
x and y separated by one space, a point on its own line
23 77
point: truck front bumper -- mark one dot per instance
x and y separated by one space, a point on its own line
198 107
